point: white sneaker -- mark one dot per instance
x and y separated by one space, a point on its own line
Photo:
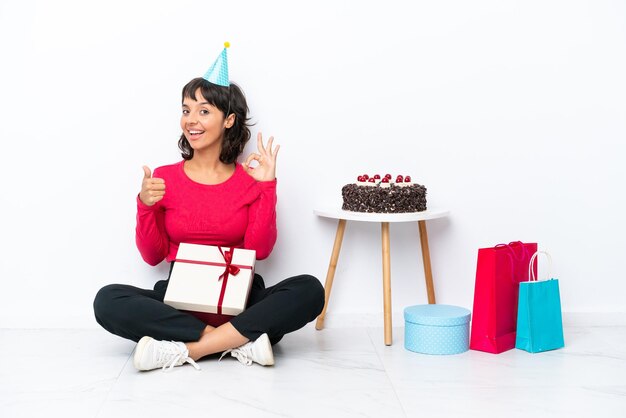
152 354
259 351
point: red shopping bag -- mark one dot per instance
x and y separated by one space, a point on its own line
499 271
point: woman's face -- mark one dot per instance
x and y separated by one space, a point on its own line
202 123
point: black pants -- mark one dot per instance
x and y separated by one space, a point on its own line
132 313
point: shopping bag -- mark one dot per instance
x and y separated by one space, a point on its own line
499 270
539 321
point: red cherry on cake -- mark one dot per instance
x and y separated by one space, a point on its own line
399 179
388 176
377 176
407 179
385 180
360 178
365 177
372 180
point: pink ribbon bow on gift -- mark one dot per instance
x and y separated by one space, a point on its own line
230 268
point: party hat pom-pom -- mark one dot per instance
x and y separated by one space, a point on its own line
226 44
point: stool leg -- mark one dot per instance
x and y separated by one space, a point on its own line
330 275
428 273
386 282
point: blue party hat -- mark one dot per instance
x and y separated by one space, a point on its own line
218 73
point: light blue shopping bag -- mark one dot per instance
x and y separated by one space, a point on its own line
539 321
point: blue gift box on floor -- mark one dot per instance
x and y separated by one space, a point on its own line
436 329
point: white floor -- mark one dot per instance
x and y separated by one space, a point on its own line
337 372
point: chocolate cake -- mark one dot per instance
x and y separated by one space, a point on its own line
376 195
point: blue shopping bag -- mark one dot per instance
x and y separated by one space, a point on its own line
539 321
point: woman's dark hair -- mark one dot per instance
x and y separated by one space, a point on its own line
228 100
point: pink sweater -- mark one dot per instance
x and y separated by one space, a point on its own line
239 212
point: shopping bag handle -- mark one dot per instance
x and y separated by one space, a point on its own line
531 271
510 245
513 257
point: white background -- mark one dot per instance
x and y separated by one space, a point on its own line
512 113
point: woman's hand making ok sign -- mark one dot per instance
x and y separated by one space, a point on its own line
266 159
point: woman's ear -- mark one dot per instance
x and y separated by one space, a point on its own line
229 121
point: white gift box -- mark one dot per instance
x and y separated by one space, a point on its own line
202 276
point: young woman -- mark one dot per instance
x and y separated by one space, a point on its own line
209 198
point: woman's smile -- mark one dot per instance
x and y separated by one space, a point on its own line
194 134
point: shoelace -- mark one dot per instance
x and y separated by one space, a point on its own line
243 354
171 353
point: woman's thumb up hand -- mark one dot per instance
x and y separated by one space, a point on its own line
152 189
